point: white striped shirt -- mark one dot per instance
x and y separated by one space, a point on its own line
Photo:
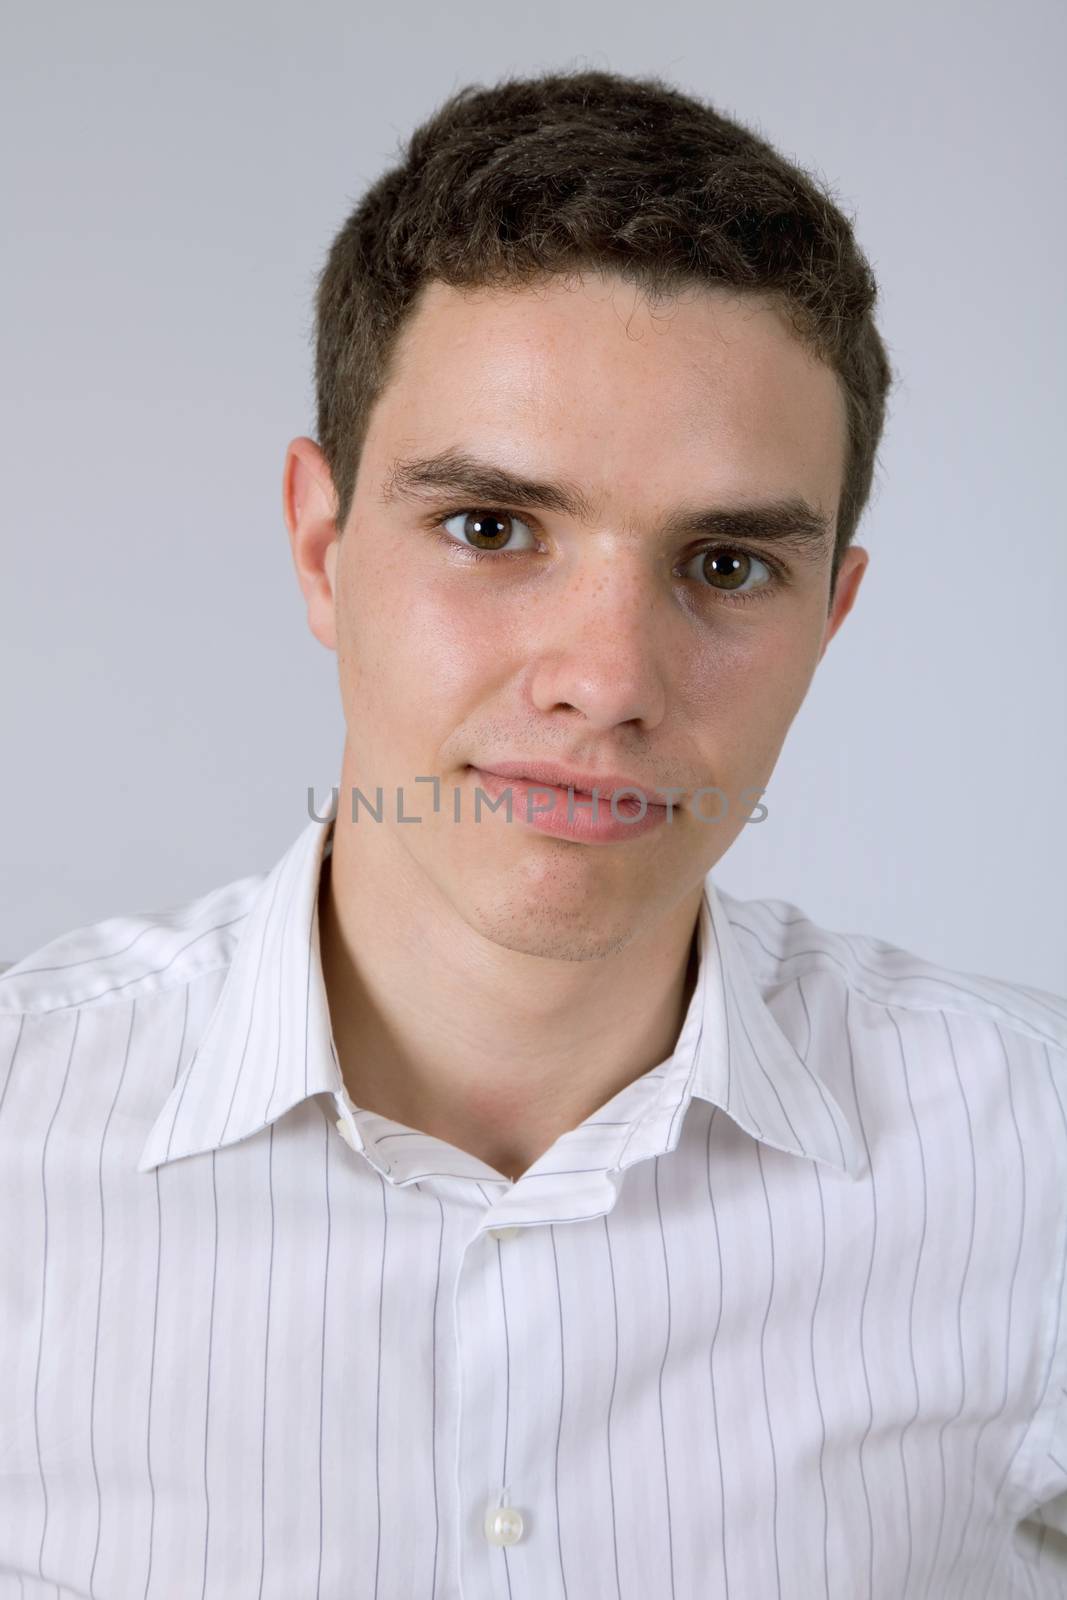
784 1317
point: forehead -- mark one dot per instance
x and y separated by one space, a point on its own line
706 383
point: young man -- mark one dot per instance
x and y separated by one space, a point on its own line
483 1204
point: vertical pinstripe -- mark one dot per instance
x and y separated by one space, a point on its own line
784 1317
266 1369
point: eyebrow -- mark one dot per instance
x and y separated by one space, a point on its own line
790 522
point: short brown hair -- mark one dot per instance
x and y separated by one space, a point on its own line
587 169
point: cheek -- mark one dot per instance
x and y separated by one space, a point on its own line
407 648
787 687
459 639
747 682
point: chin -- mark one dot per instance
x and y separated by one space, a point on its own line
548 932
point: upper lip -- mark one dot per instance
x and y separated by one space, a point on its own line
605 783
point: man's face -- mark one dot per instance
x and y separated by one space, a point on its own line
601 629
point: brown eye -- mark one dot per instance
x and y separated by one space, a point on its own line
483 530
733 571
727 569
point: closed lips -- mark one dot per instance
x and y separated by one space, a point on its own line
581 782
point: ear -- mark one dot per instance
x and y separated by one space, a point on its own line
309 502
849 575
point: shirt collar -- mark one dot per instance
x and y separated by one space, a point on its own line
268 1044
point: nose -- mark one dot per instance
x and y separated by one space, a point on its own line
597 644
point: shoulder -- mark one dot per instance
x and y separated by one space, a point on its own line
128 956
782 944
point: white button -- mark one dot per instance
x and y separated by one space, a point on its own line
346 1132
503 1233
503 1525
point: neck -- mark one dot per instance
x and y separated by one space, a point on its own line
495 1051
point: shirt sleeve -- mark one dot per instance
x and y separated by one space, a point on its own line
1041 1533
1041 1536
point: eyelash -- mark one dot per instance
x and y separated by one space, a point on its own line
466 552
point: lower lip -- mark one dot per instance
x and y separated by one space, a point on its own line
582 824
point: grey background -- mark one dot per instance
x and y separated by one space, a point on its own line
172 178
